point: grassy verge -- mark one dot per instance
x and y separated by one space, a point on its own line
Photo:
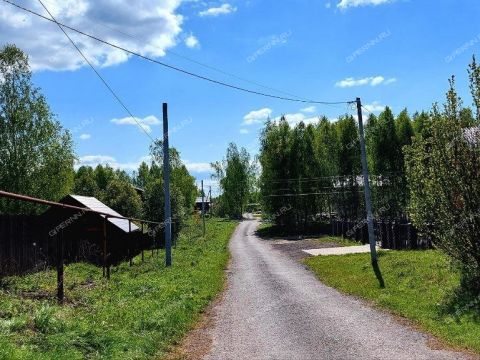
139 314
269 230
419 285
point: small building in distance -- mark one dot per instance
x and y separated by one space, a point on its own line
198 203
84 232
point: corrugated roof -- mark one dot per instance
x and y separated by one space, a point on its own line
97 205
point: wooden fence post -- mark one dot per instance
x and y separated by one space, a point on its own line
106 266
143 258
60 291
130 255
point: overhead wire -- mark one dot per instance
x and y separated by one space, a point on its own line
172 67
96 72
181 56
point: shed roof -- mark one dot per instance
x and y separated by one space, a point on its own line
97 205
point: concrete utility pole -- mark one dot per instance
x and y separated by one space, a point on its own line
166 184
366 184
203 209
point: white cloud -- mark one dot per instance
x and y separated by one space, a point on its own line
198 167
310 109
216 11
144 123
154 25
244 131
257 116
85 136
94 160
374 107
192 42
372 81
343 4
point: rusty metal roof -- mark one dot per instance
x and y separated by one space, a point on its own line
97 205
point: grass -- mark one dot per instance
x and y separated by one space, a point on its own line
140 313
269 230
419 285
337 240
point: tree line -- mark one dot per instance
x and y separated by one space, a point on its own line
424 167
37 158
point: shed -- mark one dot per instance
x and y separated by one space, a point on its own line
198 203
84 232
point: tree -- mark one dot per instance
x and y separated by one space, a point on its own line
442 172
36 153
474 76
122 197
234 174
85 183
104 175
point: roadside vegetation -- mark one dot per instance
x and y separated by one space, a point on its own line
236 176
269 231
38 158
140 313
419 285
425 170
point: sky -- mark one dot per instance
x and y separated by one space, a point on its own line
397 53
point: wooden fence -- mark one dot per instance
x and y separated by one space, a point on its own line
396 235
23 244
26 246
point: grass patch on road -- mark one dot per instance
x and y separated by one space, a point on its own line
419 285
139 314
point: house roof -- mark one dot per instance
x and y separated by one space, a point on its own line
95 204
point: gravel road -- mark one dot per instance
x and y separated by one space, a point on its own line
275 309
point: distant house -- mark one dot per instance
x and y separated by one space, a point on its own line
84 233
198 203
140 191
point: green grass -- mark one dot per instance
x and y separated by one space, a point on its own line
140 313
419 285
337 240
269 230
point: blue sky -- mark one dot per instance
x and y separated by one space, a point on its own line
397 53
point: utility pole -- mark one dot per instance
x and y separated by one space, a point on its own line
166 184
366 184
203 209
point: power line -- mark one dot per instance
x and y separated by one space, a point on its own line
95 70
62 26
317 193
171 52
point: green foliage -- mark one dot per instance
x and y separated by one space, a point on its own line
122 197
36 153
85 183
236 177
182 186
291 157
445 197
141 313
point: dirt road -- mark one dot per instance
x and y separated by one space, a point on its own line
275 309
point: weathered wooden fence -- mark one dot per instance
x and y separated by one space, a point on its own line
23 244
396 235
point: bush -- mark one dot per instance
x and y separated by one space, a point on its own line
443 168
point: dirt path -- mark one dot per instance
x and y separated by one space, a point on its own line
274 308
